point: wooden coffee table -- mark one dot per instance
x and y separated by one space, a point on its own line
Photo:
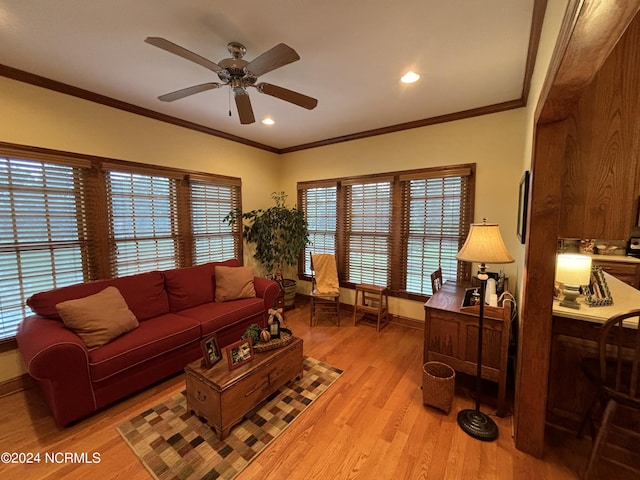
223 397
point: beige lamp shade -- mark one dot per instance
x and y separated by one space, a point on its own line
573 269
484 245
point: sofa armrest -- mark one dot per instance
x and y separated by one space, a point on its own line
58 359
268 290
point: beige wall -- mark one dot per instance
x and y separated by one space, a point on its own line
494 142
39 117
548 37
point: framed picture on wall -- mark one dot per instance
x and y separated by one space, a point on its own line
523 205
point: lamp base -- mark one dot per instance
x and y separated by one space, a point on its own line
478 425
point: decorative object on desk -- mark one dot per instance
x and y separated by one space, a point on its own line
265 336
523 204
572 271
471 297
253 332
274 327
239 353
276 313
483 245
211 351
286 337
586 246
596 293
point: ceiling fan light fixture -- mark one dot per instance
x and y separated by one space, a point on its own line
410 77
268 121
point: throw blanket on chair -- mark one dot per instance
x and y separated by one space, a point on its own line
324 265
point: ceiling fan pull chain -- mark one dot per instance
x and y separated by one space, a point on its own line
229 102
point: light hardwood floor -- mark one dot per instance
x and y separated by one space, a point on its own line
370 425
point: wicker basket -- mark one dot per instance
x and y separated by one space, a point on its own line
286 337
438 385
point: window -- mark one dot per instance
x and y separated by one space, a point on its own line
42 233
320 206
214 239
367 225
144 222
393 229
436 220
66 219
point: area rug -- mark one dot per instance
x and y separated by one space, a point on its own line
174 444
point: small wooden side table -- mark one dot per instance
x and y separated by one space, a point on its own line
373 300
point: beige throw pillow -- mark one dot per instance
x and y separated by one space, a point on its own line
233 283
99 318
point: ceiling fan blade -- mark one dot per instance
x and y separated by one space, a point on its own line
288 95
185 92
171 47
245 112
277 57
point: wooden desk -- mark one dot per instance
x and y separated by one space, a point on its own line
451 337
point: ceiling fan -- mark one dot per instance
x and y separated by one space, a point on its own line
239 74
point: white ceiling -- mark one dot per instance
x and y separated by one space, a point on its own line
470 54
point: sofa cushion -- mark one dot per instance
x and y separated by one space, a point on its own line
234 283
151 339
191 286
98 318
144 293
214 316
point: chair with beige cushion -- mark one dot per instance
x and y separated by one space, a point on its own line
325 288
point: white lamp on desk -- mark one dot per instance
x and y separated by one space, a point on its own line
572 270
483 245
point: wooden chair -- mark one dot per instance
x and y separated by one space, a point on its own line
325 293
616 373
436 280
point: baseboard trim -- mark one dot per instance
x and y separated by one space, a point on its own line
407 322
17 384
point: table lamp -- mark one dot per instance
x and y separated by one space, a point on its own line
483 245
572 270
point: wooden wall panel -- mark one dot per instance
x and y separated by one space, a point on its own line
599 181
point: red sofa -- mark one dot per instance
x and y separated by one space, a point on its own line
175 310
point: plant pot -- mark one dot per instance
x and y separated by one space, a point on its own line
289 287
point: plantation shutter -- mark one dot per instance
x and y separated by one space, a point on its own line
319 203
144 222
439 209
211 201
367 227
43 231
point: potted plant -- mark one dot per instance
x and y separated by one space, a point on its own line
279 234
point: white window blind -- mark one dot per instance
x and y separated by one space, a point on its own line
368 232
436 227
320 207
143 214
42 233
213 239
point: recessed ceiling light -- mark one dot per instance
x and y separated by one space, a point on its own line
268 121
410 77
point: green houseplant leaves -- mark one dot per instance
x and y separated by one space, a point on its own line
279 233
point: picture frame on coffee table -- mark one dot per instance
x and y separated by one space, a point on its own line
211 351
240 353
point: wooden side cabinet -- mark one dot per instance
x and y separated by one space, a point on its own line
451 337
